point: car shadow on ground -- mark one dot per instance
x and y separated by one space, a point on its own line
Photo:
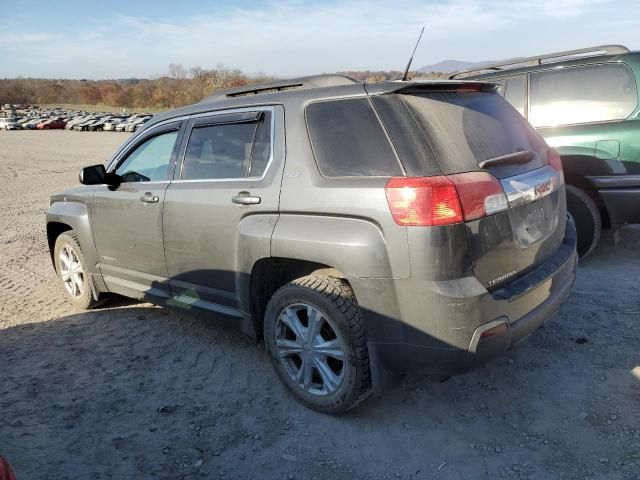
132 390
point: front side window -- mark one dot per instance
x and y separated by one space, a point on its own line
150 160
232 150
596 93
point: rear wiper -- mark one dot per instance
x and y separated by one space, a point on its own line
516 157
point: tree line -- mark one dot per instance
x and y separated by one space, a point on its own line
179 87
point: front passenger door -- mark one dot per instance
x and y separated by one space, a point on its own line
127 219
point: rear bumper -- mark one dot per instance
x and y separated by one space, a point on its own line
454 342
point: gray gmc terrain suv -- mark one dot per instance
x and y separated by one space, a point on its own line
362 230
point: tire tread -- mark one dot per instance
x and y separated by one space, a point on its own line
340 294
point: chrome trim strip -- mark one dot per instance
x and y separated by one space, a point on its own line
531 186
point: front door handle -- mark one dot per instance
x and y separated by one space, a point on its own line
245 198
149 197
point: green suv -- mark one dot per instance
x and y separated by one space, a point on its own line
585 104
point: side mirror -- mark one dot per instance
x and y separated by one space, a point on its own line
97 175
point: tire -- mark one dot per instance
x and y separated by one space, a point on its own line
67 245
340 332
586 216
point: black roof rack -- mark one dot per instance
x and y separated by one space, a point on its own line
542 59
314 81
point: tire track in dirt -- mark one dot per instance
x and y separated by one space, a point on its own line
26 296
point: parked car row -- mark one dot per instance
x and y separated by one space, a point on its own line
57 118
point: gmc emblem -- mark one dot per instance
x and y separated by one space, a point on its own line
542 188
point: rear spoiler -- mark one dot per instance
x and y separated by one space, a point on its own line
453 86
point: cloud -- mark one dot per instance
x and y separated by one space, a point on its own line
293 37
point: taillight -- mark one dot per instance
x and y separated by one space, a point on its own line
425 201
556 162
480 194
444 200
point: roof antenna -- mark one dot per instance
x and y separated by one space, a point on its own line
406 71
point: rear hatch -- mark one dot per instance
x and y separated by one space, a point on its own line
470 130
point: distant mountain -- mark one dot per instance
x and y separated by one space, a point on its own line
449 66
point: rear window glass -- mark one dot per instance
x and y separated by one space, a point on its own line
348 140
465 129
594 93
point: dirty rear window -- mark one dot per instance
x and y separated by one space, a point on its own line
466 128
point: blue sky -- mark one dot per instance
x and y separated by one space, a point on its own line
117 38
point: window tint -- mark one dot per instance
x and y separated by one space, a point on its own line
514 92
466 128
233 150
348 140
580 95
150 160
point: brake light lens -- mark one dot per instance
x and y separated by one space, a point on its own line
423 201
556 162
481 194
444 200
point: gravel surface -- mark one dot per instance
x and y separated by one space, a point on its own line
136 391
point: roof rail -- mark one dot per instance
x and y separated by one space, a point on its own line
542 59
314 81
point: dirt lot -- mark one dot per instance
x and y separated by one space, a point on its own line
135 391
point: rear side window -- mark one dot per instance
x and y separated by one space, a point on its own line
595 93
514 92
348 140
232 150
467 128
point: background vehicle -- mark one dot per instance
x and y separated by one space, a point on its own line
395 237
9 123
52 123
110 125
585 104
31 124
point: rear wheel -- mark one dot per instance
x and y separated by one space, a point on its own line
586 216
72 271
315 336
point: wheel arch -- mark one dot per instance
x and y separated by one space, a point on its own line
576 170
73 215
54 230
270 273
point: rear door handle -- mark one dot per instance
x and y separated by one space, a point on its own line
245 198
149 197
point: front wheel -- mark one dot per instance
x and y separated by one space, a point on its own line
315 336
72 271
586 216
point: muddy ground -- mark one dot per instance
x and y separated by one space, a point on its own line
134 391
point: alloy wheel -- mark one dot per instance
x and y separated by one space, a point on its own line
310 349
71 271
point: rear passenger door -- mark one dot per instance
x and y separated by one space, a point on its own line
223 204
